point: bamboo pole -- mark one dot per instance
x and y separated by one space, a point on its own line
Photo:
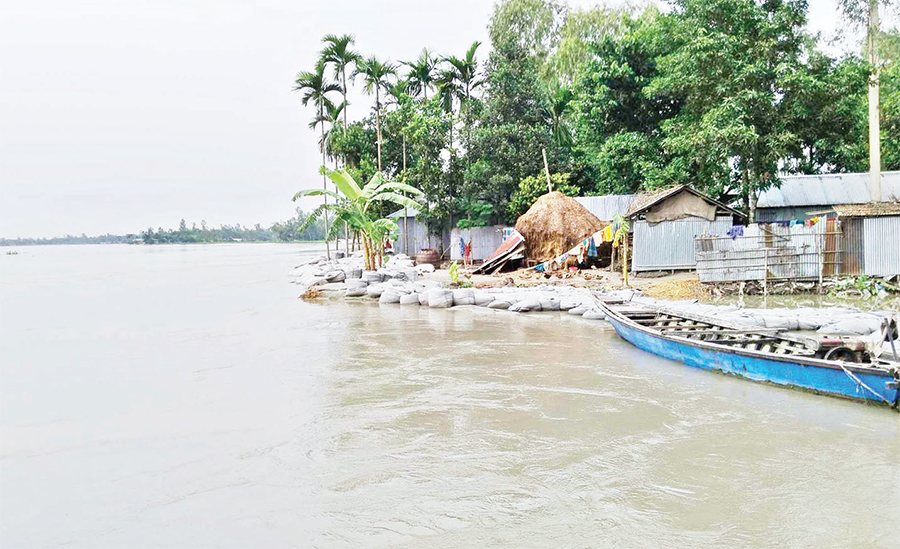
547 171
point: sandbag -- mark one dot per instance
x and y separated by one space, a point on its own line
482 298
356 291
374 290
463 296
580 310
499 304
852 326
409 299
389 296
594 314
526 305
372 277
440 299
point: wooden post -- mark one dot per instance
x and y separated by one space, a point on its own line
547 171
625 259
405 213
822 244
874 103
765 272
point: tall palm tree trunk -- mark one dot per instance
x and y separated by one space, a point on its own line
344 77
378 125
325 187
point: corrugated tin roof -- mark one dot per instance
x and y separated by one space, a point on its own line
828 189
606 207
646 200
412 212
872 209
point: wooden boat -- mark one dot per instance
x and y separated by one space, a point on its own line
833 366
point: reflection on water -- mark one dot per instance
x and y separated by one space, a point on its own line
183 396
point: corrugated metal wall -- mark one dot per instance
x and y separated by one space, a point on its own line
882 245
854 257
418 237
606 207
484 241
670 244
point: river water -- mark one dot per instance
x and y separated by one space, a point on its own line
182 396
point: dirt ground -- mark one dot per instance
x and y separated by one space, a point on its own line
681 285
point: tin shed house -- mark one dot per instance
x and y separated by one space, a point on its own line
801 197
871 237
666 222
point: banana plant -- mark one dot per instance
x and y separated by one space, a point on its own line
353 203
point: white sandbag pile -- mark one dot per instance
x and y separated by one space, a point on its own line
398 283
840 321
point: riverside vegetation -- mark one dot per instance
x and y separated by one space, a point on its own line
720 94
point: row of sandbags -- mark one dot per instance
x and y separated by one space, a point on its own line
320 271
826 320
431 294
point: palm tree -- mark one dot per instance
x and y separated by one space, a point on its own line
338 53
315 89
353 203
421 73
560 105
375 75
465 76
331 116
466 72
448 91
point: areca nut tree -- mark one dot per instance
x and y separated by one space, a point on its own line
337 52
353 204
315 89
448 90
421 73
375 75
333 117
464 72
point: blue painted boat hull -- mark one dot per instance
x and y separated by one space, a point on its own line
822 379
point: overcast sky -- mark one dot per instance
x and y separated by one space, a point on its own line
118 115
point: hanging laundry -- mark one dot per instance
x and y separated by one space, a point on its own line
735 231
607 233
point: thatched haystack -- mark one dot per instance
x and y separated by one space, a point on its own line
554 224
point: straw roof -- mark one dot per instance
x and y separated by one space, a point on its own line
555 224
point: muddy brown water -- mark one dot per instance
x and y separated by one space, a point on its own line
181 396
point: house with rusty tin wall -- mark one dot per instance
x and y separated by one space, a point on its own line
869 226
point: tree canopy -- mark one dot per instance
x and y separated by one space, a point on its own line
723 95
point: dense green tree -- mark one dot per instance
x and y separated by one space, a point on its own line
720 94
729 66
